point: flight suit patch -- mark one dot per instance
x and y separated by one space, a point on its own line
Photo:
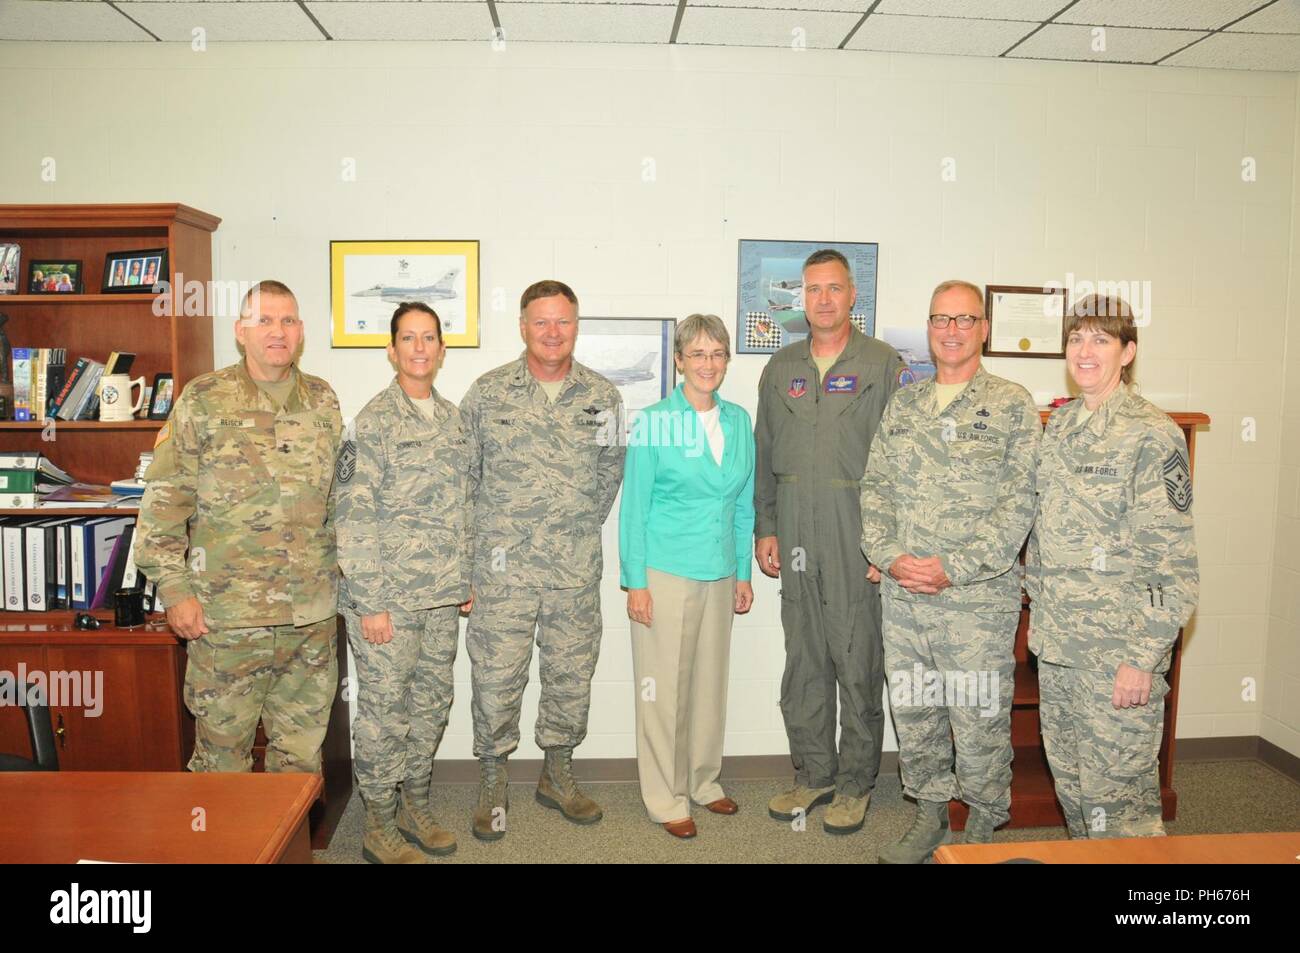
798 387
842 384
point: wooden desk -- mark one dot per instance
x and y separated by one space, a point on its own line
1190 849
60 817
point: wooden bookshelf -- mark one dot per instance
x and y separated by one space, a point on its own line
92 324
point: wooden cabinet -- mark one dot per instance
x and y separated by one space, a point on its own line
1033 794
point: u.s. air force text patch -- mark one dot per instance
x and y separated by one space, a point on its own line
1178 482
347 462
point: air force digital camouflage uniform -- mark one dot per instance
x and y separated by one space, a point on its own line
403 519
811 447
237 513
957 484
1112 572
543 477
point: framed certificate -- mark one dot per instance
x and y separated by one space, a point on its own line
369 279
1025 321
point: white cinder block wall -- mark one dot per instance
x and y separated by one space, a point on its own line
631 172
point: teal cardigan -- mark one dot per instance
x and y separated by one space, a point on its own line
682 513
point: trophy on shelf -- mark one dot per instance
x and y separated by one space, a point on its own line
6 372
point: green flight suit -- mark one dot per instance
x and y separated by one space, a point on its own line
812 438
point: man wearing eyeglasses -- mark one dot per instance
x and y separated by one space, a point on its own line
947 501
819 402
237 530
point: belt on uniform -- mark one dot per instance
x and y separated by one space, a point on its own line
833 483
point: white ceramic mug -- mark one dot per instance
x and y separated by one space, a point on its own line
115 396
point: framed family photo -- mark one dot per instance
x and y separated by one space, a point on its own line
10 264
369 279
53 277
133 271
769 292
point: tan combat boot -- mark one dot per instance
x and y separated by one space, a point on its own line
846 814
800 799
382 844
929 827
493 800
557 789
415 821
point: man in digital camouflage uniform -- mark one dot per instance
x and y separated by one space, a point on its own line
403 518
1111 571
546 462
819 402
947 501
236 529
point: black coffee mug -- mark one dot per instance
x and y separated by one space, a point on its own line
129 608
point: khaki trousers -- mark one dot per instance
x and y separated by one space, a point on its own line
680 663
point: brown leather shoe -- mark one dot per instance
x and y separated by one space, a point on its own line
684 828
723 805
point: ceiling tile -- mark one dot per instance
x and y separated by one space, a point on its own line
836 6
938 35
1281 17
45 20
396 20
223 22
1159 14
741 27
586 23
1263 51
1122 45
1037 10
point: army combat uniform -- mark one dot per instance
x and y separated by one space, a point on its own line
402 512
1112 572
543 477
236 512
956 483
811 439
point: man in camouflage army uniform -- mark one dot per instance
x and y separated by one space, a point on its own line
947 500
403 518
1111 570
236 528
819 401
546 462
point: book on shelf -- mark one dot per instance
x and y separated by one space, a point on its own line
38 375
33 460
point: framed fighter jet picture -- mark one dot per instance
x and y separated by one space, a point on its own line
636 354
369 279
769 291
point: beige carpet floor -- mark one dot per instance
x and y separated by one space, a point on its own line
1215 797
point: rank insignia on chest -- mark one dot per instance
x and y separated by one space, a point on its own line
798 387
1178 482
842 384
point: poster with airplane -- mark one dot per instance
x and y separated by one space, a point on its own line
769 291
369 279
636 354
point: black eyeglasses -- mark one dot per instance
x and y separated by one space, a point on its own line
964 321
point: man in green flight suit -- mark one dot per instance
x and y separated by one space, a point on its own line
819 402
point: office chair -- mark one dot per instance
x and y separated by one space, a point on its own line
40 729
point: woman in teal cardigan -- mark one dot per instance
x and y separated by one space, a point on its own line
686 536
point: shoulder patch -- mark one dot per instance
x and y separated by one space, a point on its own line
346 467
906 376
164 433
1178 482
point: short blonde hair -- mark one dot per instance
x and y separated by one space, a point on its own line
1109 314
976 291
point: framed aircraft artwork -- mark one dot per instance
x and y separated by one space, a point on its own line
769 291
369 279
636 354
